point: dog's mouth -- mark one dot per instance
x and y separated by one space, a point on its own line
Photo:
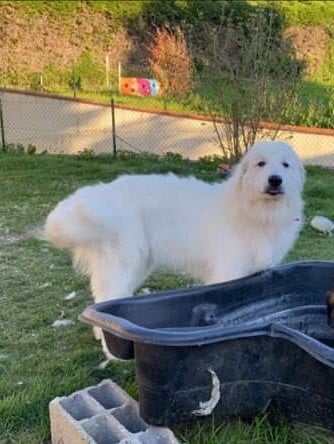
274 191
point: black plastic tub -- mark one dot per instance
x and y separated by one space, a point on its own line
230 349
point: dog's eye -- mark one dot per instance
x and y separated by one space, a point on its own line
285 164
261 163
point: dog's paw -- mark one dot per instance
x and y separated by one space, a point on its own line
97 333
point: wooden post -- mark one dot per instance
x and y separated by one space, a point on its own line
107 70
119 76
113 126
2 128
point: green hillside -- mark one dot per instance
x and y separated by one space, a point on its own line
46 44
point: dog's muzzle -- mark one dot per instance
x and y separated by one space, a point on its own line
274 187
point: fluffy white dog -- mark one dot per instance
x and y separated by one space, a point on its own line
122 231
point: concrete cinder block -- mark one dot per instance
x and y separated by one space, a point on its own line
102 414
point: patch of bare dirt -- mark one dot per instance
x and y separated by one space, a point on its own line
6 237
310 44
31 43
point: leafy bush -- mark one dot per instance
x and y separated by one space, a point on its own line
36 82
19 148
74 83
91 74
31 149
171 63
261 86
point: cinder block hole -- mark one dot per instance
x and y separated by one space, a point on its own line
104 430
128 417
79 407
152 438
106 396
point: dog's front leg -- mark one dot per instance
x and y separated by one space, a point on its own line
97 333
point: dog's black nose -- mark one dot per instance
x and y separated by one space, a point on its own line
275 181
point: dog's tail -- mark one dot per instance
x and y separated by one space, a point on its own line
77 222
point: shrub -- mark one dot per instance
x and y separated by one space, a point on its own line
259 86
31 149
171 63
74 83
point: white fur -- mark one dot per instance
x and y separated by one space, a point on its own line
122 231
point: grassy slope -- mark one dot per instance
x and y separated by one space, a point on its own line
119 9
308 13
313 12
38 363
316 93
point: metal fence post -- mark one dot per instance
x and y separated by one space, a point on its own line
2 128
107 70
113 126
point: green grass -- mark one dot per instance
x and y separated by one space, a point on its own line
52 8
305 13
38 363
119 10
308 13
62 8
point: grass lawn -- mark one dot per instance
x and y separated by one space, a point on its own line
37 362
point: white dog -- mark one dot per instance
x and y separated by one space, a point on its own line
122 231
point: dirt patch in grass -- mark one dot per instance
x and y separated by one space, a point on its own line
310 44
32 233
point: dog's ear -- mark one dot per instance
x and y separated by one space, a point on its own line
240 168
244 164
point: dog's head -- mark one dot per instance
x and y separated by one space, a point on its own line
271 173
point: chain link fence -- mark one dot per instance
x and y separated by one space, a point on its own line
63 125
